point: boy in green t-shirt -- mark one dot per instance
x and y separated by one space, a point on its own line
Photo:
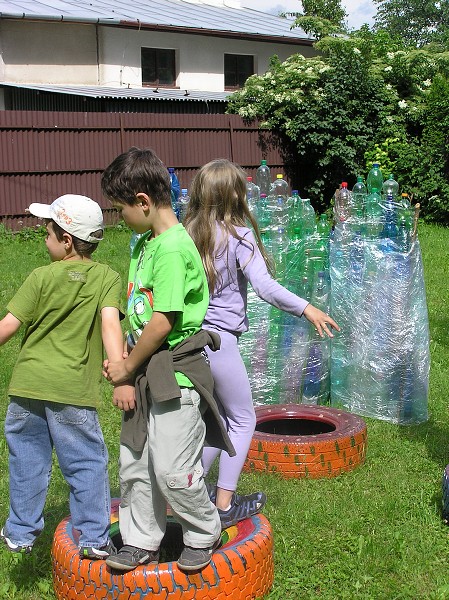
167 301
70 308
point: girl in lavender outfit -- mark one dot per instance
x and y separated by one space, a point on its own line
233 255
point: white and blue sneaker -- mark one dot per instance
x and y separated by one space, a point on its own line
25 549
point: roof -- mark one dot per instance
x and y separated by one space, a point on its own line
224 16
124 93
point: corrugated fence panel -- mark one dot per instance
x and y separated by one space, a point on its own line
45 154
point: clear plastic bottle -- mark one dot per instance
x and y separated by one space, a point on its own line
279 186
264 219
390 229
359 193
263 178
323 226
314 371
374 215
375 178
278 202
294 214
308 218
183 204
342 206
252 195
357 259
390 187
405 200
405 228
279 247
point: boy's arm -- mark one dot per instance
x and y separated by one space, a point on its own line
8 327
111 331
153 335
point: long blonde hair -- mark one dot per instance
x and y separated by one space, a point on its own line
218 195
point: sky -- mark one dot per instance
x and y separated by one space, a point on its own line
359 11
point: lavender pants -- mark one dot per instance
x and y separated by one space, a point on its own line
233 394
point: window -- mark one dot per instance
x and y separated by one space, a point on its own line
158 67
237 69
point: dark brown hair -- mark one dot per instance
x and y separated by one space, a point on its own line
137 171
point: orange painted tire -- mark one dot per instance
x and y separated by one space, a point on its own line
335 441
241 569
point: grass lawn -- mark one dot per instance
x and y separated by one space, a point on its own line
374 533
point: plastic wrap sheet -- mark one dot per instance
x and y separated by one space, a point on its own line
287 361
380 360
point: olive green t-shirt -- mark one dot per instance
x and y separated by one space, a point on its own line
60 359
166 275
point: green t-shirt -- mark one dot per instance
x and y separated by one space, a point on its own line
62 351
166 275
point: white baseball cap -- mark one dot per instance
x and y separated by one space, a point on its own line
78 215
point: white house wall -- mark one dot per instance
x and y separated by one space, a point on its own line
37 52
63 53
200 59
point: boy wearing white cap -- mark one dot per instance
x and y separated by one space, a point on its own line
70 309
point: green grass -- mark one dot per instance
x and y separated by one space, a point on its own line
374 533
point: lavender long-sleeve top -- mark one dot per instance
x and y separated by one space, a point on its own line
239 263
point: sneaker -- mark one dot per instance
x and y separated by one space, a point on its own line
242 507
26 549
98 553
194 559
130 557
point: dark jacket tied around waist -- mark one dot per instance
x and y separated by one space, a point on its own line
156 382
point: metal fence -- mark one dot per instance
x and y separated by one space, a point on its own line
46 154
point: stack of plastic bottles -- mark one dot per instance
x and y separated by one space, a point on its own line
380 360
287 361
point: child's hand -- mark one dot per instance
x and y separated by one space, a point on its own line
320 320
124 396
116 372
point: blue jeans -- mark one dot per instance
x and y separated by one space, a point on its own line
32 429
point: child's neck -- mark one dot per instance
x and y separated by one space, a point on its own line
164 219
76 256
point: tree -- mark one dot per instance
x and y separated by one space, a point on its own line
321 17
417 22
362 97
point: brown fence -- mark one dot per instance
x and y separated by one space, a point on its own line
44 155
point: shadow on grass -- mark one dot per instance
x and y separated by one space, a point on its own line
435 436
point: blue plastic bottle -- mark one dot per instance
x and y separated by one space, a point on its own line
175 189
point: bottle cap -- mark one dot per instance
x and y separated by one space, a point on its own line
344 184
279 176
171 169
263 162
249 178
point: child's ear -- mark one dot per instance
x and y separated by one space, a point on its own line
144 200
67 239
